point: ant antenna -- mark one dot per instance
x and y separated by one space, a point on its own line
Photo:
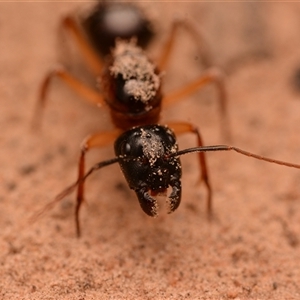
111 161
70 189
238 150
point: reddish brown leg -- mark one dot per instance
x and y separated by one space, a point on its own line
91 57
96 140
87 93
212 75
184 127
197 36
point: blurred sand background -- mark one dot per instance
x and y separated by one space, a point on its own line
250 251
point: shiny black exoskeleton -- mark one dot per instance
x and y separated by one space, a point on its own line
109 21
149 158
144 157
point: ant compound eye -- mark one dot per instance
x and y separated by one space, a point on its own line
129 149
171 139
125 148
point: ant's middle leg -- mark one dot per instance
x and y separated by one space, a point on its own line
211 75
185 127
90 95
98 140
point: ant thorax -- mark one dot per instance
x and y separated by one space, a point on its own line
141 80
131 86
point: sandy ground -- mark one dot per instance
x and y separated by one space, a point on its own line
251 250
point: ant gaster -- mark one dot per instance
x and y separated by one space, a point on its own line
109 21
130 87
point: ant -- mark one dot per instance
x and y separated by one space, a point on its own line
149 159
131 89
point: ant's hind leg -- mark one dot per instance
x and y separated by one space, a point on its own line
211 75
184 127
90 95
89 54
197 37
98 140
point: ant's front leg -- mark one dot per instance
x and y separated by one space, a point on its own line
98 140
184 127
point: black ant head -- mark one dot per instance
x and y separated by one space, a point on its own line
149 158
131 83
146 157
109 21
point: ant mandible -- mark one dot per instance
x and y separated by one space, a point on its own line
131 89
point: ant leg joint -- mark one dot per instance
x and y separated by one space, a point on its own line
85 145
216 73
